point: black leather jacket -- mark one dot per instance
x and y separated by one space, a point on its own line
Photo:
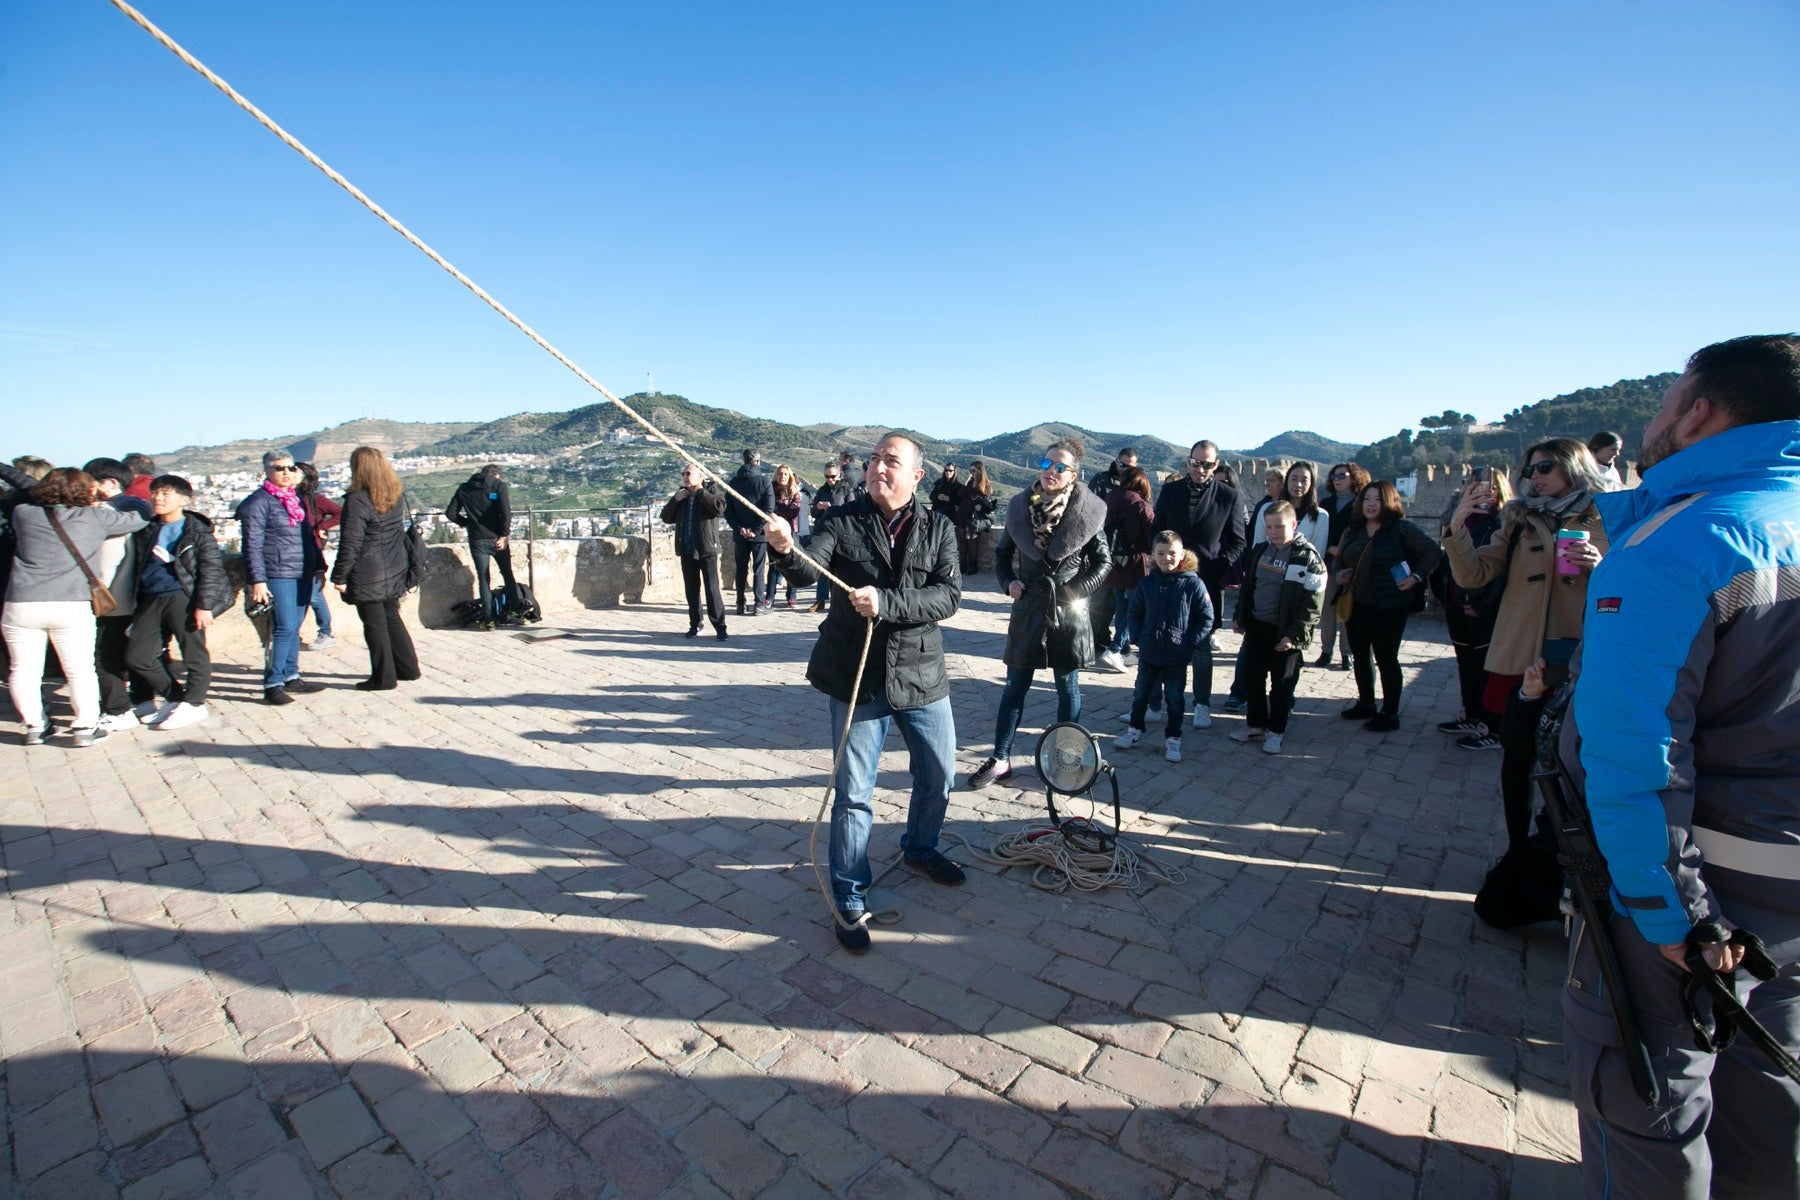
1049 626
906 661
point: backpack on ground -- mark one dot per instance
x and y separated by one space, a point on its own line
521 604
415 556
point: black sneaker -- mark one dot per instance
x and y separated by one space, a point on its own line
694 632
721 633
988 772
856 938
276 695
1360 711
1458 726
304 687
86 737
1479 741
1382 723
940 869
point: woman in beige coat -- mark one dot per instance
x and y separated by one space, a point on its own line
1545 598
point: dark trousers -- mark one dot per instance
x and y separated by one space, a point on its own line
757 581
1269 676
969 547
117 692
1726 1123
694 571
391 653
1164 683
480 551
1469 637
1103 604
1203 673
158 619
1517 732
1377 631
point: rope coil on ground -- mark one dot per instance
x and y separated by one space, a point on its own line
1057 864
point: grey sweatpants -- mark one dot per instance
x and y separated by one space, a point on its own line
1728 1125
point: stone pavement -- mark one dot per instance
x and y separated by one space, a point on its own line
543 925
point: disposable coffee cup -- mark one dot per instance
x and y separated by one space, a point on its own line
1565 540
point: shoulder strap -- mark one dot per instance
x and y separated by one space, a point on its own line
93 579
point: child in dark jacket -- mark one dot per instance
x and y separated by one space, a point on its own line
1170 617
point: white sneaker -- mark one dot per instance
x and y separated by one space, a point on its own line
323 642
118 722
1272 744
1172 749
1203 718
1128 739
147 709
1246 734
155 719
1111 661
183 715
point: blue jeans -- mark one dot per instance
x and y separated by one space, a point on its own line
930 736
291 596
321 613
1166 684
1012 704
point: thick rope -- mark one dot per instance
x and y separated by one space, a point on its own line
1057 865
361 198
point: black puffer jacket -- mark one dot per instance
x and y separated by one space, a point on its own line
195 560
1049 626
906 661
371 551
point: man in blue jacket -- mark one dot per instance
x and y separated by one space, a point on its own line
1687 723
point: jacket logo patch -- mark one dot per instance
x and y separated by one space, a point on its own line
1608 604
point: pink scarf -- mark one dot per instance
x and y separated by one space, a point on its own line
289 501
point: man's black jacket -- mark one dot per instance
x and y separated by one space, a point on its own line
483 506
1216 536
906 660
708 503
755 487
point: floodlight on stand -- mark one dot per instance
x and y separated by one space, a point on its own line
1070 763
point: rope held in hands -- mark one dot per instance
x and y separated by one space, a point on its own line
361 198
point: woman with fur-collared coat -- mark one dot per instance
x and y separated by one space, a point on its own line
1050 557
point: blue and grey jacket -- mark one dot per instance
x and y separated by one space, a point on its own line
1686 708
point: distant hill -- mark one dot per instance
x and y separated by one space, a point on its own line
1303 446
326 445
1625 407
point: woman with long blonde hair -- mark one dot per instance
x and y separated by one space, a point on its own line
371 567
789 501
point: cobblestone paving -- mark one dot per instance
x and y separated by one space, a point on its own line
543 925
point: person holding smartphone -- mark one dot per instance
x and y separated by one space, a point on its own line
1541 606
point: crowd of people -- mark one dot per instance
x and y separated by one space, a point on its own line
1660 608
110 566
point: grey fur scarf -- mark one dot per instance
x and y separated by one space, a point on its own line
1084 517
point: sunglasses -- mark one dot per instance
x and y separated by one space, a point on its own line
1050 464
1540 468
280 467
1204 464
1340 474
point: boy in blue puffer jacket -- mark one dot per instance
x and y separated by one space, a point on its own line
1170 616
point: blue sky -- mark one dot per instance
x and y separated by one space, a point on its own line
1192 220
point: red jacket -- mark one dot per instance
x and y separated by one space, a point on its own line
325 515
1131 515
140 487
